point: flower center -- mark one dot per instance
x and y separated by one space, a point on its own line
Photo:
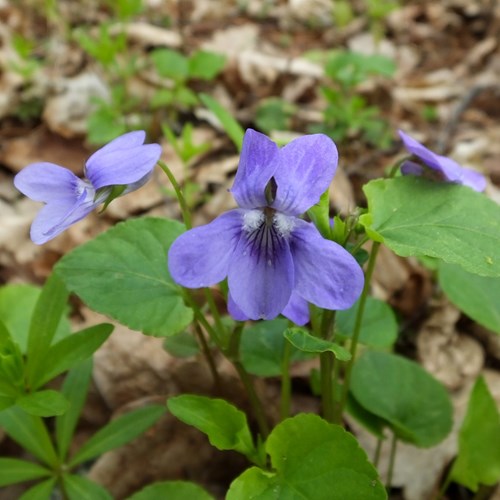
270 219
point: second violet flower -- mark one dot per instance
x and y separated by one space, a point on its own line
275 261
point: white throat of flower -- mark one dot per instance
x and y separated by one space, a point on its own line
281 223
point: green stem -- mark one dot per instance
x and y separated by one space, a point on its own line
200 317
326 367
213 309
186 215
233 354
392 459
358 322
359 244
207 353
286 383
378 449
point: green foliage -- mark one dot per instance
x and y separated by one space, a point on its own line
414 216
347 113
304 341
182 345
105 47
43 403
378 326
310 459
37 320
117 433
125 9
180 69
262 348
273 114
225 425
13 470
415 405
478 460
29 432
173 490
74 389
26 64
123 273
477 296
232 128
81 488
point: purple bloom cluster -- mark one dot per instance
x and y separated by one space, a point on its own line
446 168
126 161
275 262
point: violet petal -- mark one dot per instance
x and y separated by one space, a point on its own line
297 309
124 166
57 216
258 161
325 273
306 169
200 257
46 181
261 273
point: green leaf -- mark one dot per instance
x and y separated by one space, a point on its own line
49 310
400 391
205 65
182 345
416 216
368 420
303 340
477 296
378 327
46 403
30 432
478 460
170 64
41 491
75 389
311 459
13 470
6 402
173 490
232 128
262 347
17 303
123 273
118 432
225 425
73 349
81 488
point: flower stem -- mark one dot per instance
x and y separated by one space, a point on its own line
392 459
286 385
207 353
186 215
357 324
378 449
233 354
326 367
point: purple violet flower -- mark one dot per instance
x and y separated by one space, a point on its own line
275 262
444 167
125 161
